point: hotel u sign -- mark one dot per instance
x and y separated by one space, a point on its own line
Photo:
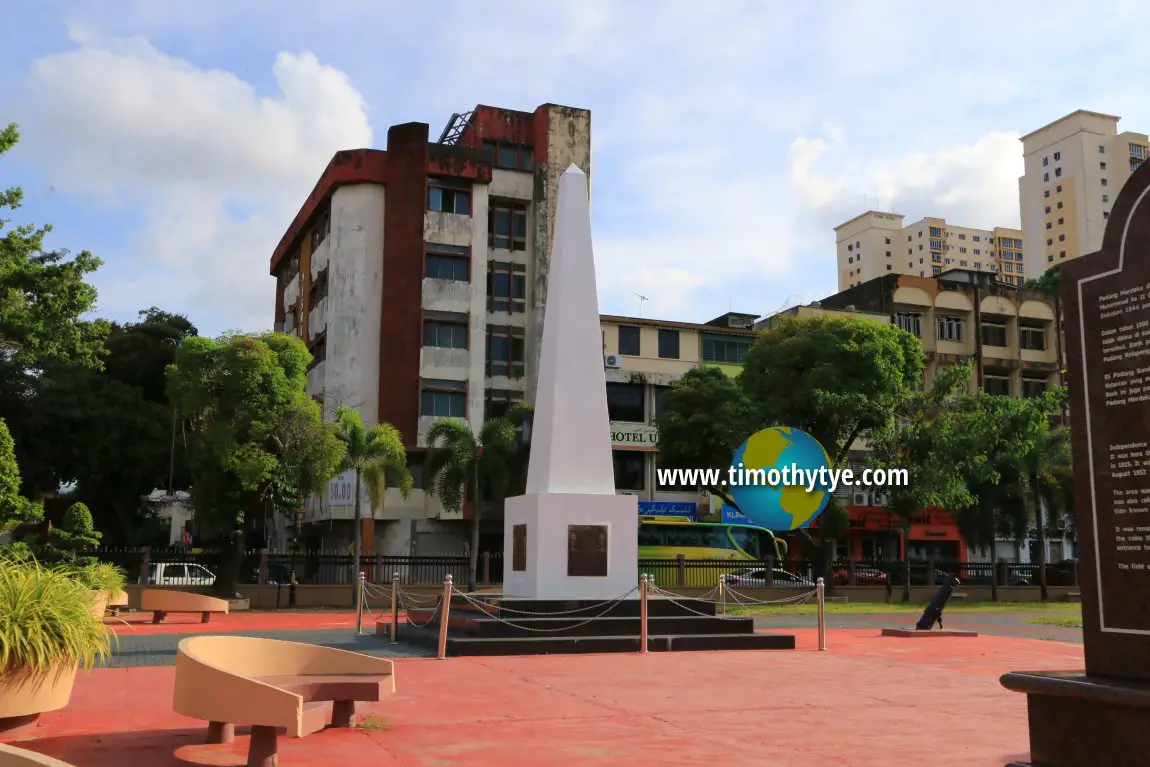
634 436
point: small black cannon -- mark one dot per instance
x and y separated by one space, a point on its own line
933 612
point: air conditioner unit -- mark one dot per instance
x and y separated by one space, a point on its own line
861 498
880 499
611 361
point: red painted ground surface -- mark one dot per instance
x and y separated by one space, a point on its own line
179 623
867 702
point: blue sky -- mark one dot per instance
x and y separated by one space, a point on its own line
176 139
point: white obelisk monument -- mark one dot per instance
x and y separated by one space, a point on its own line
571 536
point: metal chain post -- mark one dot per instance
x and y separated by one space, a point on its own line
820 588
444 615
722 595
359 604
643 613
394 606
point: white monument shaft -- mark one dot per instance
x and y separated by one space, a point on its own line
571 536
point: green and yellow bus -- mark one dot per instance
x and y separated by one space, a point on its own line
665 538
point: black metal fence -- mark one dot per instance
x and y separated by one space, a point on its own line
181 566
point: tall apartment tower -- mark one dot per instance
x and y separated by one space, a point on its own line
875 244
1073 170
417 276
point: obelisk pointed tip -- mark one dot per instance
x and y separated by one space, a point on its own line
573 168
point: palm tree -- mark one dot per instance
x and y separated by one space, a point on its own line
378 458
495 458
1047 469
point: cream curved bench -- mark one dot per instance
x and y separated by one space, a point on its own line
10 756
272 684
160 602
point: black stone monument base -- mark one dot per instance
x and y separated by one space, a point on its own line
1081 721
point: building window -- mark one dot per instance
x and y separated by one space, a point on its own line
625 402
444 333
934 232
1105 198
1032 337
630 469
1101 166
1047 208
911 322
1103 182
512 156
948 328
1062 238
498 401
1058 189
1046 193
669 344
442 398
993 334
726 350
888 254
1105 214
318 350
1049 258
507 225
321 230
318 290
1049 240
1057 156
888 240
1101 149
506 287
997 385
1049 225
936 270
1045 176
505 351
1058 172
1045 161
447 262
1137 150
442 199
850 248
1060 205
888 267
1061 221
1033 387
629 344
936 244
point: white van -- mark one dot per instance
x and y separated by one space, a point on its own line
179 574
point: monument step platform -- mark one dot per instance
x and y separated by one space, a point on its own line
515 608
552 645
473 624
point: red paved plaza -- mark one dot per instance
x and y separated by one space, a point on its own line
867 702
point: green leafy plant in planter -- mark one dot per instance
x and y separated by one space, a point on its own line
47 631
105 583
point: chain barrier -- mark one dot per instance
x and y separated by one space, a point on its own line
742 600
486 610
528 613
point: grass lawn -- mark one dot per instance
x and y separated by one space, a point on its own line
1069 621
1069 611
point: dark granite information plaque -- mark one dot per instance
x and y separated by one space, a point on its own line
587 550
519 548
1102 716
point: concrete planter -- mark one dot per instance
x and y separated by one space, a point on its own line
24 696
99 603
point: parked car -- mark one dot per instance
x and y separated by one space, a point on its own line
757 579
1057 574
864 576
179 574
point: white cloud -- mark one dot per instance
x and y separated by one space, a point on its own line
972 184
189 147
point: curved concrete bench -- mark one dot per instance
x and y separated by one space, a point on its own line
271 684
10 756
160 602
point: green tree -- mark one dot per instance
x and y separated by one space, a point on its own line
257 441
705 417
836 379
459 458
43 294
929 439
1049 283
76 533
15 510
1001 429
124 409
1047 467
379 460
